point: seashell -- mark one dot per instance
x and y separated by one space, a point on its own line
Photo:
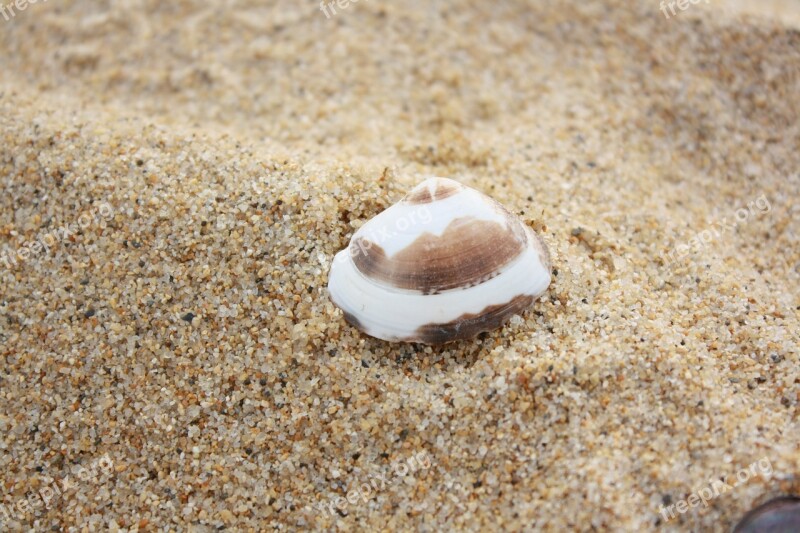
780 515
445 263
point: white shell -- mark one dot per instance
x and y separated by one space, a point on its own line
445 263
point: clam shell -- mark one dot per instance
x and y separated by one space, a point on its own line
445 263
781 515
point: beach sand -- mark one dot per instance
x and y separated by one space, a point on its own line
188 170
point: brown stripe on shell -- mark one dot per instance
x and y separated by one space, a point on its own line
352 320
469 252
468 325
422 194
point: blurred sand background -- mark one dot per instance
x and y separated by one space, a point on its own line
210 159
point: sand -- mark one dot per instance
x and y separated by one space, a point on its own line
177 177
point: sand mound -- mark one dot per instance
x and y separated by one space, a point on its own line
178 176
